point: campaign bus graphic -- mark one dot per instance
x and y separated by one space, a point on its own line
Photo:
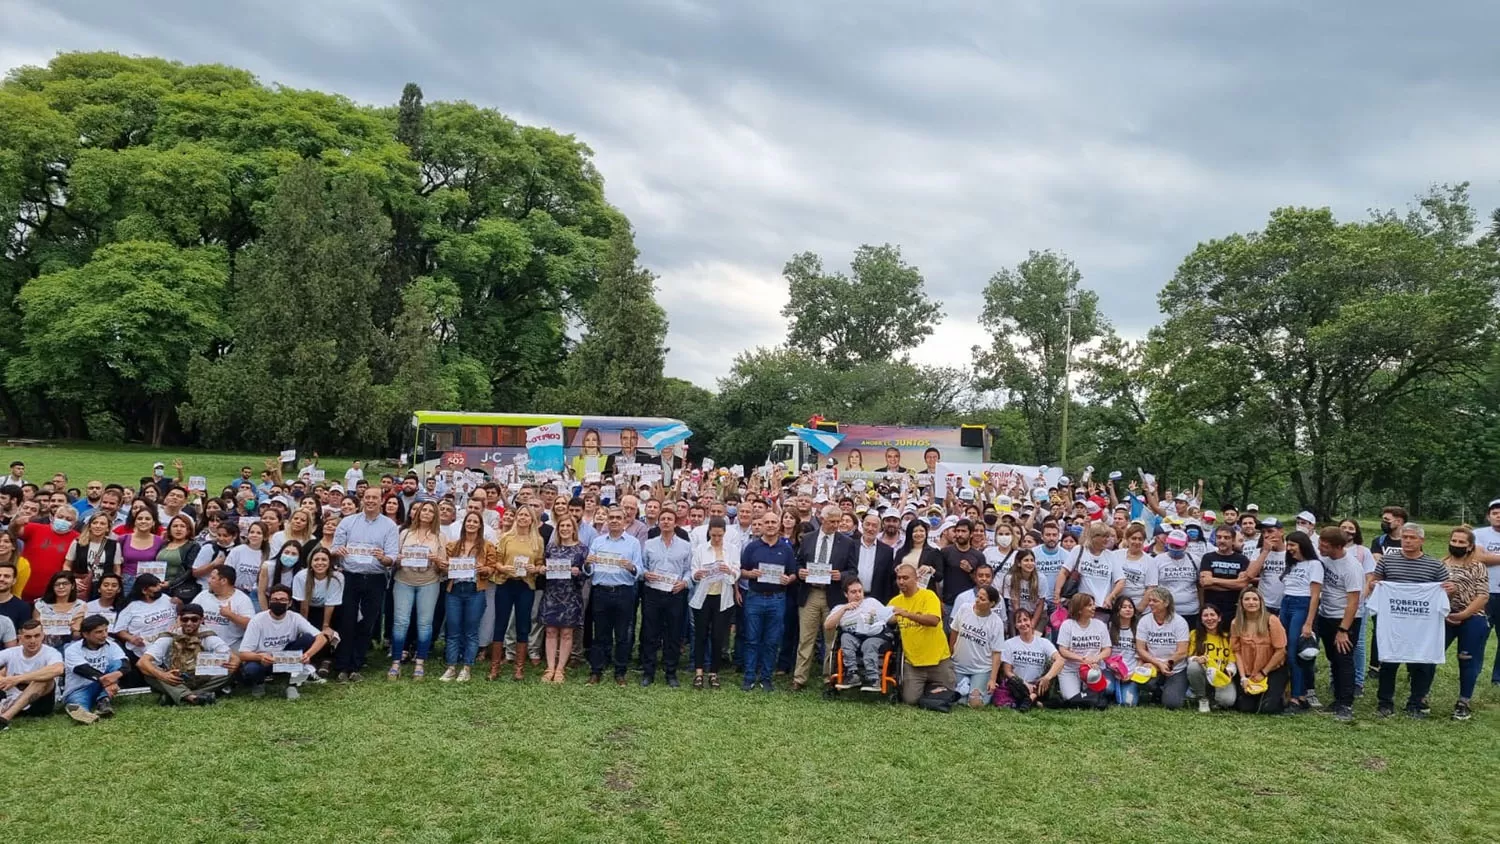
459 440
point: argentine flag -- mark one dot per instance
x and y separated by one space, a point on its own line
665 435
821 441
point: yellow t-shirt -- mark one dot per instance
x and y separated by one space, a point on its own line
924 646
1216 651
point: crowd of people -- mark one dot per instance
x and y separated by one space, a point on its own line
997 590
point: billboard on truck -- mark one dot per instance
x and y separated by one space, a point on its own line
879 448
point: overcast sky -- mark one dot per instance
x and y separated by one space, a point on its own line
737 134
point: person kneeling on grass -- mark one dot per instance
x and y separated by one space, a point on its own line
274 632
977 637
1211 669
28 675
919 616
170 665
1161 641
1030 663
861 623
93 667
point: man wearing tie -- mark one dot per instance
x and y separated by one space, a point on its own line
830 551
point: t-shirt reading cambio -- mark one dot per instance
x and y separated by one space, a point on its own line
266 634
219 624
146 620
1029 660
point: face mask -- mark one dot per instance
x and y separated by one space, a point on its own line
1194 535
1004 540
278 609
731 512
157 472
990 519
1457 551
289 559
62 525
1176 554
250 504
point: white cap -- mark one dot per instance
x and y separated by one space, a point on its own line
1252 508
1181 496
967 494
947 524
1306 516
1064 481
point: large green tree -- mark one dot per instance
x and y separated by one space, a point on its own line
1331 330
119 331
878 312
1026 313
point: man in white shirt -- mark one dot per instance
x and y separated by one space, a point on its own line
353 476
28 675
226 610
172 664
861 623
271 636
92 667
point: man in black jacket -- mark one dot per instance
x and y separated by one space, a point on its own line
875 561
824 559
628 453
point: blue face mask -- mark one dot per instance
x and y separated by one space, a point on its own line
1176 554
934 521
1194 535
731 512
289 559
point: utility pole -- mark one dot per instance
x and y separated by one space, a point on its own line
1070 305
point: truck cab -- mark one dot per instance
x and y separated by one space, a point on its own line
792 453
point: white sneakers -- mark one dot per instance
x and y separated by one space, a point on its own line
1203 705
449 676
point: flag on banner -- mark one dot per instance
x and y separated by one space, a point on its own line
822 442
544 447
664 435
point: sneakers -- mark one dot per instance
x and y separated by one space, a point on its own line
672 682
1203 708
81 715
1343 713
869 688
4 723
450 675
849 683
1385 710
1460 711
355 677
594 680
463 674
748 685
1359 689
343 677
766 684
292 693
258 690
1312 700
103 708
1415 712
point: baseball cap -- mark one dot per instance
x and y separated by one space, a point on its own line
1064 481
1093 679
1116 475
1270 522
1307 648
1494 504
966 494
1308 517
1181 496
1256 687
948 523
1058 616
1219 678
1142 673
1252 508
1116 663
1210 516
1177 539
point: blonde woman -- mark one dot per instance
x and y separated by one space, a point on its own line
522 558
1258 642
416 587
562 595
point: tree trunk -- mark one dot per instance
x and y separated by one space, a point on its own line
14 425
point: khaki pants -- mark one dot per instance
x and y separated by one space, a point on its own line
810 618
200 686
914 679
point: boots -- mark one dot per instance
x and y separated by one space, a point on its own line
497 658
520 662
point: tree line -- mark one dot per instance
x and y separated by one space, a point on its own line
193 257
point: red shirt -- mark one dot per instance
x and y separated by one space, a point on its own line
45 548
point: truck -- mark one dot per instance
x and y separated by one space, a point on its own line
883 448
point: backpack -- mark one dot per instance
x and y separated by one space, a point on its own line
937 698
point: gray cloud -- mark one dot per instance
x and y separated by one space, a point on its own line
968 132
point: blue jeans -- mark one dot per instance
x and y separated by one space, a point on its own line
464 606
514 595
403 598
765 615
1493 610
1126 692
1294 610
88 695
1472 635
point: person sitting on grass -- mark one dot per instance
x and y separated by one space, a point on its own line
1084 642
919 617
1211 668
977 638
93 666
170 664
275 631
1161 641
1029 663
1259 644
28 675
861 622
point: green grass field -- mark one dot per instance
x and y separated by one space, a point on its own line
127 464
530 762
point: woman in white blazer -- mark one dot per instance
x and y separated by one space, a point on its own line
716 570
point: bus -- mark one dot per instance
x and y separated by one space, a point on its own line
443 439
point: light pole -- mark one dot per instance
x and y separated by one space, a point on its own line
1070 305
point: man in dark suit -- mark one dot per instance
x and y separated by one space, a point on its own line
875 561
826 547
628 453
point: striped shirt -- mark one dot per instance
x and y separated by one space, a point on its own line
1396 567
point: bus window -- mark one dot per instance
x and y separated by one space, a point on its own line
482 435
510 436
439 439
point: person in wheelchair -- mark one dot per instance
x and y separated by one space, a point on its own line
863 636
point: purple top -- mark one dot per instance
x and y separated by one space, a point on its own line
131 557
